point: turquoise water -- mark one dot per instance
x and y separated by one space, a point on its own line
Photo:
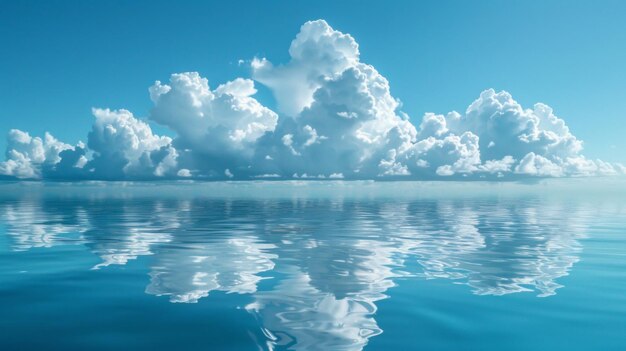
313 266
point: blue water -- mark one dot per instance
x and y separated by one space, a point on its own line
312 266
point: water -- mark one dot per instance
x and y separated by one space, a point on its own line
313 266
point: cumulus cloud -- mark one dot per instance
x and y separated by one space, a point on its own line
317 52
321 140
124 146
335 118
219 128
496 133
349 103
32 157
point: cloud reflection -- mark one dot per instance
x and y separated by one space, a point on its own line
327 262
187 272
499 248
35 224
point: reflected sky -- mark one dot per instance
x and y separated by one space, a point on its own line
315 270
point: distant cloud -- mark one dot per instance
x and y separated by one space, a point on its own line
30 157
336 118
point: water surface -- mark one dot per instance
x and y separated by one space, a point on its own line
312 266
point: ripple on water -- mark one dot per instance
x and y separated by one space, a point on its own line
314 273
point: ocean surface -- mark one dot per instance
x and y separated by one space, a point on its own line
313 266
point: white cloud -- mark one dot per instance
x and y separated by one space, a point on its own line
337 116
18 165
268 176
537 165
317 52
348 126
228 173
496 166
219 127
498 129
124 146
184 173
211 120
30 157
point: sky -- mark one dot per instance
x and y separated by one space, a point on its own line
60 59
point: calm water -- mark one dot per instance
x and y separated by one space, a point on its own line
311 267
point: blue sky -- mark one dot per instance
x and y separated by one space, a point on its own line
61 58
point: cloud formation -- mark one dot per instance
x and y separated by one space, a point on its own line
123 145
335 118
33 157
218 128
